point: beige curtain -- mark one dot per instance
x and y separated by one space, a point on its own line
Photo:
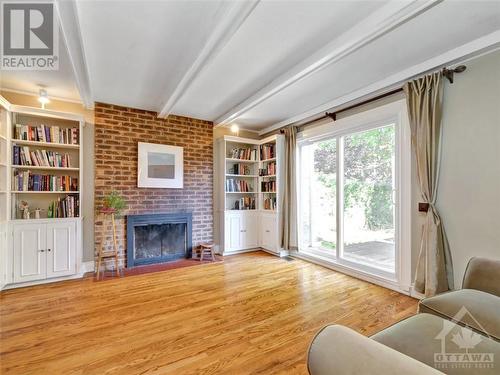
434 273
289 196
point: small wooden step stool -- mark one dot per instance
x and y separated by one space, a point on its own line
207 249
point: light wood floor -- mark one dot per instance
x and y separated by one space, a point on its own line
252 314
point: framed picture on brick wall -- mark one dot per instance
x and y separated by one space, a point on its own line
160 166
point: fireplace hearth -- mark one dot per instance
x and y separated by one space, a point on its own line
158 238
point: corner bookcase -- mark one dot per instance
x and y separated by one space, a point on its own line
40 166
247 174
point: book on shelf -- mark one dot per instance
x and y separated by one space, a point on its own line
241 169
244 153
270 203
268 186
269 169
237 186
267 151
48 134
68 206
28 181
22 155
245 203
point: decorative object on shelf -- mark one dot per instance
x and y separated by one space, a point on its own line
37 213
24 207
114 203
160 166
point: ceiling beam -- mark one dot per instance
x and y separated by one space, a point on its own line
232 17
70 27
471 50
374 26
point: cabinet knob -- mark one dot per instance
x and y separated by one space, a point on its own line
48 249
267 230
41 250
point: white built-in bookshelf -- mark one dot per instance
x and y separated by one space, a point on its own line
247 193
41 167
45 164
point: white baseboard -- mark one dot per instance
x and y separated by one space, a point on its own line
87 267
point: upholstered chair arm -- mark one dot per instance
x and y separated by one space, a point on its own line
338 350
483 274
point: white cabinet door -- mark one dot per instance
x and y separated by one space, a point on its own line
61 249
249 231
29 252
3 255
233 233
268 232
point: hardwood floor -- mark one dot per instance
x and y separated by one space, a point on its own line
252 314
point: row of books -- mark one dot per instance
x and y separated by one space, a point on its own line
49 134
64 207
237 186
27 181
269 169
43 158
267 151
245 203
268 186
242 169
270 203
244 153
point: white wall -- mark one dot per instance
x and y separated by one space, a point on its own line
469 185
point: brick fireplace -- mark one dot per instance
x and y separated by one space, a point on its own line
117 131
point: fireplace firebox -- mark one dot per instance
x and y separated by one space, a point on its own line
158 238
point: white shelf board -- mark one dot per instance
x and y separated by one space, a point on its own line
45 144
3 137
241 192
267 192
44 192
268 175
44 168
241 175
272 159
241 160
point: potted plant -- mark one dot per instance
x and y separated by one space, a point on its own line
113 204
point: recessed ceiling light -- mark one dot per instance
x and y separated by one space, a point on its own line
235 128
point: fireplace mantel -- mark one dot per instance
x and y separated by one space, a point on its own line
134 221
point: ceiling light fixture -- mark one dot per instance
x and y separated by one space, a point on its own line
43 97
235 128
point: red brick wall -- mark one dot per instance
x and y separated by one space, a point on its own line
117 131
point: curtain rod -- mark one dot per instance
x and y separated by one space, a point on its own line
447 73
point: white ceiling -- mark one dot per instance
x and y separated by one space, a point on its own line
260 64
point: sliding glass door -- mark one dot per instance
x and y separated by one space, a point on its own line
348 198
368 190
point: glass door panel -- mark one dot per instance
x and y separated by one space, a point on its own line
368 198
318 196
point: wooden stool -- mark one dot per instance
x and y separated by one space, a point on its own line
103 255
207 249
